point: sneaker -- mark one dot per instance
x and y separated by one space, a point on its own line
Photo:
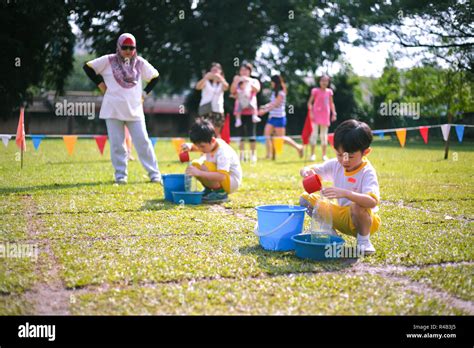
325 158
121 181
157 179
242 156
312 158
206 192
256 119
238 123
253 158
366 247
217 196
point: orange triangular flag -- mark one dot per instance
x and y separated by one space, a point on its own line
424 133
402 136
70 141
177 142
20 131
331 139
225 132
101 140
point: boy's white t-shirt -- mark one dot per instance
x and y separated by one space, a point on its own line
362 180
121 103
226 159
214 94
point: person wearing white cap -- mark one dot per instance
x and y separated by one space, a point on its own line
119 76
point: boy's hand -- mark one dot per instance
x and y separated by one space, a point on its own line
186 147
304 172
193 171
334 192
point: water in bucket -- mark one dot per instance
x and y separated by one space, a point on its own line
321 221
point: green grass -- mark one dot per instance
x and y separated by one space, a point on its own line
456 280
126 251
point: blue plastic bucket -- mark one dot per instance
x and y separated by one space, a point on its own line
327 250
187 197
277 224
172 182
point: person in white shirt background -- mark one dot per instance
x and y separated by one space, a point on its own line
212 87
119 76
246 115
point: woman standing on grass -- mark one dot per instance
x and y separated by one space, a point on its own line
212 87
276 123
119 77
320 105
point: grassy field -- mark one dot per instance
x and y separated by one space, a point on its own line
108 249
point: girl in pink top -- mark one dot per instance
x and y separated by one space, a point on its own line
320 105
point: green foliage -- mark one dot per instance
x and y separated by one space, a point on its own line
40 45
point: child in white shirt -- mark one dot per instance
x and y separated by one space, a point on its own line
219 169
355 186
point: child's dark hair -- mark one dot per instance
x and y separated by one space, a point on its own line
279 84
218 66
202 132
352 136
247 66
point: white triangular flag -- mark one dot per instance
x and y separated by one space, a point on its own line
5 139
445 128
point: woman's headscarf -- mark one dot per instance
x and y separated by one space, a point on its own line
126 70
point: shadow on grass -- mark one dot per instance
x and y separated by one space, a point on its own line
74 163
162 204
38 188
282 262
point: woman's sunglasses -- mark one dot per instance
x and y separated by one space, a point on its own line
125 48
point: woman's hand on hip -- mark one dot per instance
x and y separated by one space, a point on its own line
103 87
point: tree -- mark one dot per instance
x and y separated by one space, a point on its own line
441 28
40 45
347 96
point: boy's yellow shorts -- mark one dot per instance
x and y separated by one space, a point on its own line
213 168
341 216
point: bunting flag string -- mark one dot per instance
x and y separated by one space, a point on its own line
101 140
5 139
402 136
380 133
424 133
36 139
445 128
70 141
177 142
459 131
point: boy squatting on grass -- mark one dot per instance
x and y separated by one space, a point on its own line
219 169
355 186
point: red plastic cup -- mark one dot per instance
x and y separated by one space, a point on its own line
312 183
184 156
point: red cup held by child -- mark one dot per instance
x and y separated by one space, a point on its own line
184 156
312 183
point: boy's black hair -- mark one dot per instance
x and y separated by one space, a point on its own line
202 132
352 136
